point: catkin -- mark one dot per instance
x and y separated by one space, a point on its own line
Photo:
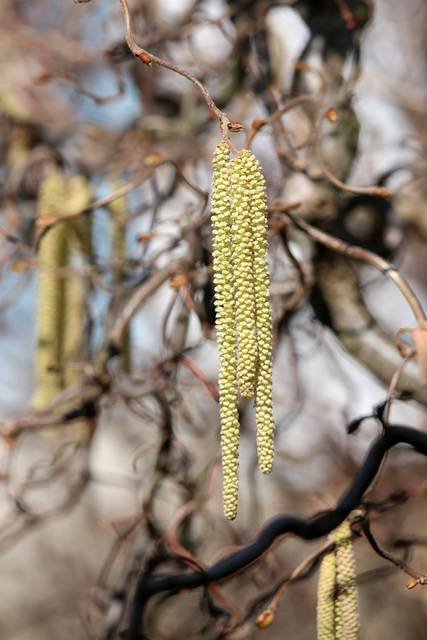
243 264
337 611
243 314
225 324
60 298
263 389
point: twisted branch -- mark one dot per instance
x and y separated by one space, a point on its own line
315 527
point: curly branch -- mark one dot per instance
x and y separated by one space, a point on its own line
315 527
149 58
331 115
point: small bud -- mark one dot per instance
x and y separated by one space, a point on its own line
331 115
9 441
382 192
44 76
412 583
145 237
301 65
265 620
178 280
145 58
154 160
258 123
235 127
46 221
20 265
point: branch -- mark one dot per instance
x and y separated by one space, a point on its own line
149 58
313 528
417 577
331 115
357 253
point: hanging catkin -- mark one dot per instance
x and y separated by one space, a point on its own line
225 324
243 314
337 612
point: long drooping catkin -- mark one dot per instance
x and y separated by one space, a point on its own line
243 315
243 266
337 612
225 324
263 386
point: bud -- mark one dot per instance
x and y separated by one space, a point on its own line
265 619
179 280
154 160
235 127
44 76
382 192
145 58
331 115
413 582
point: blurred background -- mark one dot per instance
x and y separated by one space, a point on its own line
108 376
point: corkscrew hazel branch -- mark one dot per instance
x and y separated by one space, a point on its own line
308 529
149 58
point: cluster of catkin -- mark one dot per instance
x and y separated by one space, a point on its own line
337 611
243 313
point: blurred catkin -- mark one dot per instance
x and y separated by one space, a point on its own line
60 297
119 217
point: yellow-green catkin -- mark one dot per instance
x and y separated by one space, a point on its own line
75 293
261 283
243 266
53 254
60 297
242 307
337 610
346 604
225 324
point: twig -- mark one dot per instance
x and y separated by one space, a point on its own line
149 58
393 383
262 122
357 253
417 577
137 300
331 115
46 222
307 529
266 618
48 75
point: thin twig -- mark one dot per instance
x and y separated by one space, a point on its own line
149 58
357 253
331 115
267 617
417 577
137 300
48 221
66 77
262 122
